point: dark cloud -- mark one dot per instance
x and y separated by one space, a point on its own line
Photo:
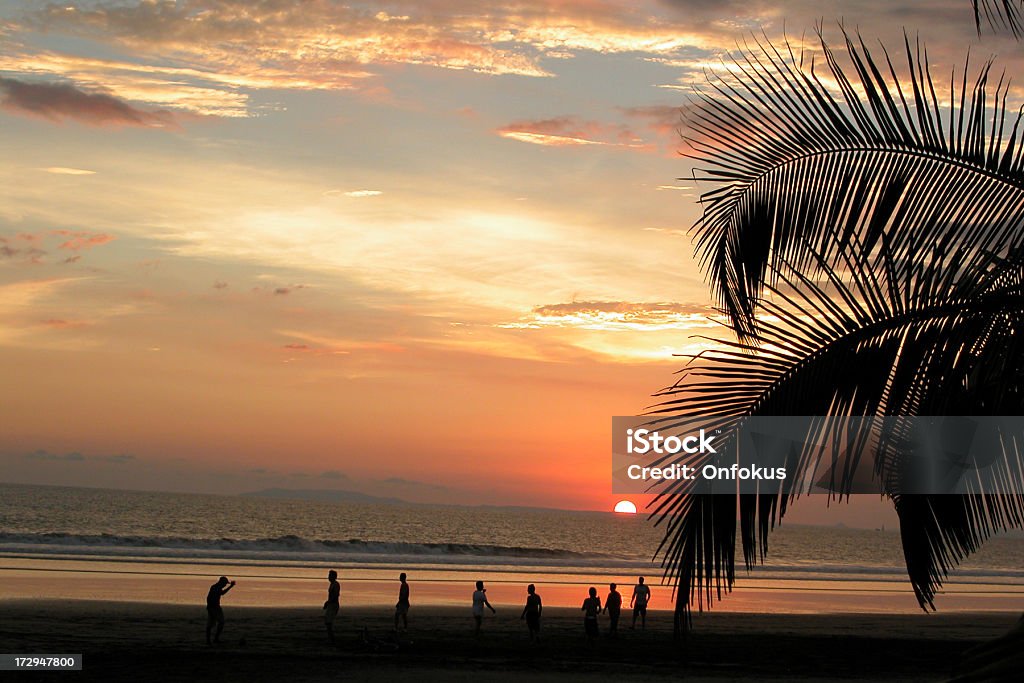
75 456
285 289
60 101
333 474
409 483
660 118
220 284
21 247
297 347
45 455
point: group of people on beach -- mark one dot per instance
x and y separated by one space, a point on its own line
613 607
531 614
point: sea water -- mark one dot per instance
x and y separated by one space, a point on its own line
165 547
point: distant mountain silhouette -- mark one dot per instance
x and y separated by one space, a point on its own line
337 496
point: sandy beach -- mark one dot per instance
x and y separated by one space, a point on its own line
127 641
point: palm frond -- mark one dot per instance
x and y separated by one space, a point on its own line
1000 15
870 338
792 154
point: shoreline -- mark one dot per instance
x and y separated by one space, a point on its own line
122 641
273 586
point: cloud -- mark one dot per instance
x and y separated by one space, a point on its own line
75 456
45 455
662 119
60 101
563 131
409 483
220 284
207 56
28 247
21 249
333 474
61 324
297 347
80 240
63 170
354 194
278 290
616 316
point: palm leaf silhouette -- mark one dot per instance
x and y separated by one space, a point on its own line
791 156
999 15
865 244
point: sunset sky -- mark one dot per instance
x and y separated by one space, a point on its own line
419 249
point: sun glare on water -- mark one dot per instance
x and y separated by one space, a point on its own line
626 507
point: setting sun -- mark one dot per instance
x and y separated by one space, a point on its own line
625 507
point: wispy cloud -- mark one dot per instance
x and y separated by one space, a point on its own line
616 315
77 240
566 131
63 170
354 194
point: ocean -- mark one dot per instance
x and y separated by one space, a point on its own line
167 547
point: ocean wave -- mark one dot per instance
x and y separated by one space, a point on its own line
286 545
292 550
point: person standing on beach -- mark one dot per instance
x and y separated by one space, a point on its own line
402 606
531 612
591 608
333 603
479 602
214 613
641 596
613 606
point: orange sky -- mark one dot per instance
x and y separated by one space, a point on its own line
423 250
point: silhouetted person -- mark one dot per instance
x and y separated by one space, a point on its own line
532 611
333 603
591 608
214 613
613 606
641 596
479 602
402 606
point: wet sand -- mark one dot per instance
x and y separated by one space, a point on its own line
162 642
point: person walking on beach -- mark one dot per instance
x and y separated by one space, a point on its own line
402 606
333 603
531 612
214 613
591 608
613 606
641 596
479 602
